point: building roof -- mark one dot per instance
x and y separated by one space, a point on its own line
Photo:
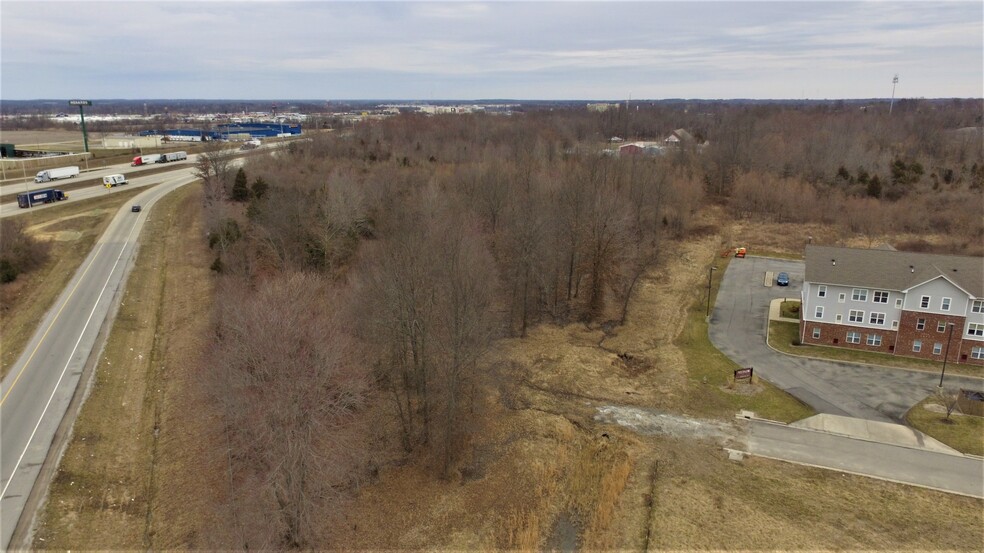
891 270
680 134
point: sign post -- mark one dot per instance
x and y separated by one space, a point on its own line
85 137
742 374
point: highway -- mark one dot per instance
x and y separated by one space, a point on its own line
17 184
132 174
36 393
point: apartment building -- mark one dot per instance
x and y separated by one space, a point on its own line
900 303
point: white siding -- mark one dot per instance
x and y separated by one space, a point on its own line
937 289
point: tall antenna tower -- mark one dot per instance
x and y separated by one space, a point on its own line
895 81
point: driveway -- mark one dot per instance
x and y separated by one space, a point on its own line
738 329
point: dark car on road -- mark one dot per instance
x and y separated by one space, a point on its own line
135 209
782 279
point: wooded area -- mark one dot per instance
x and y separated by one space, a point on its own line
365 272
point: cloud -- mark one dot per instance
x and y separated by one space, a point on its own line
311 49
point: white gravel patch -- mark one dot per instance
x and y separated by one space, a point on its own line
651 422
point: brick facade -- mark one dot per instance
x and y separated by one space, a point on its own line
930 335
965 347
900 343
836 335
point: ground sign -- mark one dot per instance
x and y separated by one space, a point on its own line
744 374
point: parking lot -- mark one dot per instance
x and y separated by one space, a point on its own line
738 327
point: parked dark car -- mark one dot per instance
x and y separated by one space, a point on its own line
135 209
782 279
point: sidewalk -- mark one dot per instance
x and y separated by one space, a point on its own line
774 311
874 431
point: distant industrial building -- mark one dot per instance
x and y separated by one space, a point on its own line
602 106
257 130
182 135
232 131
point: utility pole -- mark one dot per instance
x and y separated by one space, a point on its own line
81 104
710 274
891 104
945 355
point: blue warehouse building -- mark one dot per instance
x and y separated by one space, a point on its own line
224 132
258 130
183 135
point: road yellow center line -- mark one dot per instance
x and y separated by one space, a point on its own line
47 330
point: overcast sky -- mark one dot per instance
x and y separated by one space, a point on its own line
520 50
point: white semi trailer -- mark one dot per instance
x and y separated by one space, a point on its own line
57 173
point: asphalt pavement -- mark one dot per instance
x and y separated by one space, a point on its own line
737 328
918 466
36 392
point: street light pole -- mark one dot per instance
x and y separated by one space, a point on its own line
946 353
710 273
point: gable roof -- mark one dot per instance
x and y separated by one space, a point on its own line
891 270
680 134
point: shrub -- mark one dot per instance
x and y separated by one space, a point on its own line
19 252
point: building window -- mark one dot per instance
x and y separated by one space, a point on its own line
941 326
924 302
819 312
853 337
874 340
920 324
880 297
855 316
876 318
917 346
898 303
816 333
975 329
821 291
977 307
859 294
977 352
841 297
838 318
937 348
895 325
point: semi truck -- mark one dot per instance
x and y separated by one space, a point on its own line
27 199
110 181
57 173
173 156
144 160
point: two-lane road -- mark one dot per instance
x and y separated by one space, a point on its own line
36 392
908 465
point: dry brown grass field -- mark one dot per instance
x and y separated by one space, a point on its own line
34 138
539 472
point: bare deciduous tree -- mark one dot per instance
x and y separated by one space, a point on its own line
292 388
